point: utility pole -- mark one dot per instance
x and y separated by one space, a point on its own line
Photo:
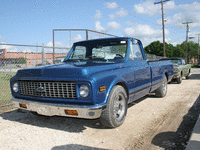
198 45
187 30
163 25
53 49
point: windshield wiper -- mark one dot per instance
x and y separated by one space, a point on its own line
72 60
97 58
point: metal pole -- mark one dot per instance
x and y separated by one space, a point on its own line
70 37
43 55
53 49
86 34
163 29
198 47
86 30
187 27
163 24
186 42
34 46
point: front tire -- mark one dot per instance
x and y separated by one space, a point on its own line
187 77
116 108
162 90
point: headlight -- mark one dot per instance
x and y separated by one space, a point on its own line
175 69
15 87
84 91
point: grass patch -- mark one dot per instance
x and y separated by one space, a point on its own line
6 108
5 93
194 65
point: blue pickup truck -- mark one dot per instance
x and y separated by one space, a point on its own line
97 79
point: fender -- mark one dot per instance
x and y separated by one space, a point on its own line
115 82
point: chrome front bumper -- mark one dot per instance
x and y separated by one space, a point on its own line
50 109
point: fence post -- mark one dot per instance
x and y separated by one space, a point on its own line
43 55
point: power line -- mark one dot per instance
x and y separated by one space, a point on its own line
132 14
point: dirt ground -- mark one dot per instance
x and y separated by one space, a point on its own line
151 123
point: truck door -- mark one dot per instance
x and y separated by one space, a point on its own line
141 70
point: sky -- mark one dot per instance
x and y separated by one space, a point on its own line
31 22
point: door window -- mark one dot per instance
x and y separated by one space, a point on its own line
135 51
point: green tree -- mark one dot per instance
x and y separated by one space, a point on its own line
179 50
192 50
22 60
156 48
169 50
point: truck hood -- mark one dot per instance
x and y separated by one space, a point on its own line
68 70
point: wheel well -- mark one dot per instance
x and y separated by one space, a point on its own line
124 86
166 74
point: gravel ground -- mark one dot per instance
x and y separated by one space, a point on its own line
148 121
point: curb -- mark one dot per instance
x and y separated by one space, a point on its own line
194 142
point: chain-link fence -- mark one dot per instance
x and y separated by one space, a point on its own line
14 57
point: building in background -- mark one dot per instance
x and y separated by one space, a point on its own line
26 59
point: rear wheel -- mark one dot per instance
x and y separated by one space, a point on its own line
179 80
115 112
162 90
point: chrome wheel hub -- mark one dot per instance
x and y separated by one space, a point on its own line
119 106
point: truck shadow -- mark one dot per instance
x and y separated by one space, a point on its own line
152 95
179 139
194 77
75 146
55 122
67 124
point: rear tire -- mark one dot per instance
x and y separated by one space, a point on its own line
179 80
116 108
162 90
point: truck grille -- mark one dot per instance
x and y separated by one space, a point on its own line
63 90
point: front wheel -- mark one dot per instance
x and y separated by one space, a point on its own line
162 90
115 112
187 77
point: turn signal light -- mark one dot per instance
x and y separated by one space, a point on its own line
23 105
102 88
71 112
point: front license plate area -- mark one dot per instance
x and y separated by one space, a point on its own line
43 111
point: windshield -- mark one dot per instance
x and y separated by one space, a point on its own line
99 50
176 61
